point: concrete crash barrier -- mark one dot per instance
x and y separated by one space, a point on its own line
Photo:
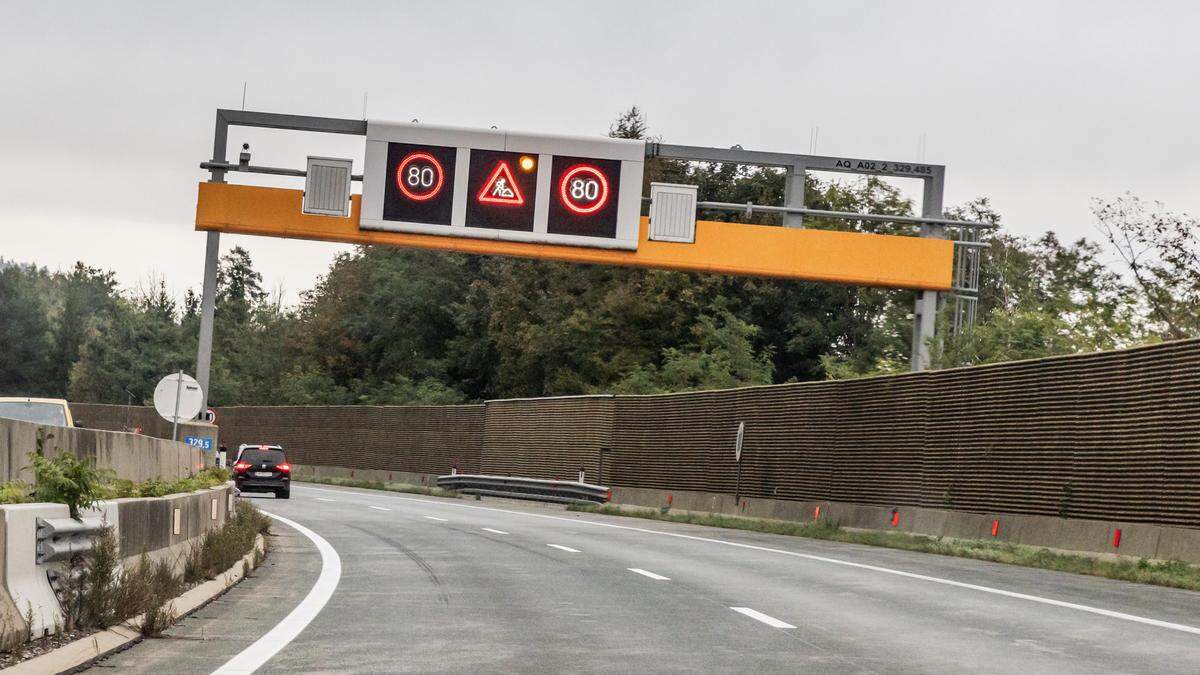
85 650
1118 538
132 456
35 535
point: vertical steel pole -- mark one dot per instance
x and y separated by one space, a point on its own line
925 312
207 308
175 415
793 195
212 251
737 490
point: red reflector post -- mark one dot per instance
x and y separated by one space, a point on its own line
995 527
895 517
817 512
1117 538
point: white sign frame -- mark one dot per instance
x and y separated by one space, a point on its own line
630 153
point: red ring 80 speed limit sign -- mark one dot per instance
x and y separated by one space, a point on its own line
583 189
420 176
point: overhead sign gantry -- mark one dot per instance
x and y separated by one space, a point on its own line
496 192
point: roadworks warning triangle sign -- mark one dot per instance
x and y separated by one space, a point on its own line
501 188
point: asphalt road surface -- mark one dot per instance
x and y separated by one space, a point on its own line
498 586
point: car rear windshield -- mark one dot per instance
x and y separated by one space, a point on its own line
27 411
258 456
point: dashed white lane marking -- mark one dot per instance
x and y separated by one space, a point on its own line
488 529
1184 628
378 508
435 518
253 657
568 549
759 616
322 499
652 575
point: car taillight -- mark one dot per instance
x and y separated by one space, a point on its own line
285 467
241 466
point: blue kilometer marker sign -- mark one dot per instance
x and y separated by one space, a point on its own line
198 442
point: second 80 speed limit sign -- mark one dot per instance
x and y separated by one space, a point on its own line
585 197
583 189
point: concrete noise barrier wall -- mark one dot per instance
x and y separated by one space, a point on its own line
132 456
1112 436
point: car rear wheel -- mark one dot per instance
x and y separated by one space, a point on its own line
283 494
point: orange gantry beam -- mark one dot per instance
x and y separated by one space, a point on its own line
723 248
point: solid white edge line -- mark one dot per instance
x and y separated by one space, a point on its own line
652 575
759 616
488 529
808 556
377 508
253 657
560 547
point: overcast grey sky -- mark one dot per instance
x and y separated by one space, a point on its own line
107 107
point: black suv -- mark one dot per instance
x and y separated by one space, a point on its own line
263 469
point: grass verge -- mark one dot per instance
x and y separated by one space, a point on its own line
1174 573
380 485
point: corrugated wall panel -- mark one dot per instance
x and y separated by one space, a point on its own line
546 438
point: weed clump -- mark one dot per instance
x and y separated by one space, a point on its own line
220 549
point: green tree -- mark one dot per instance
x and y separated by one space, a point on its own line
85 293
1041 297
629 124
130 350
24 333
1162 253
720 356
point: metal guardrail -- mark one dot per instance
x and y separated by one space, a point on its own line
559 491
60 538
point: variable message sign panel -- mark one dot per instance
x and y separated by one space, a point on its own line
494 184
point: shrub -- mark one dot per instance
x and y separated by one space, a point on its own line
66 479
210 477
220 549
15 492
